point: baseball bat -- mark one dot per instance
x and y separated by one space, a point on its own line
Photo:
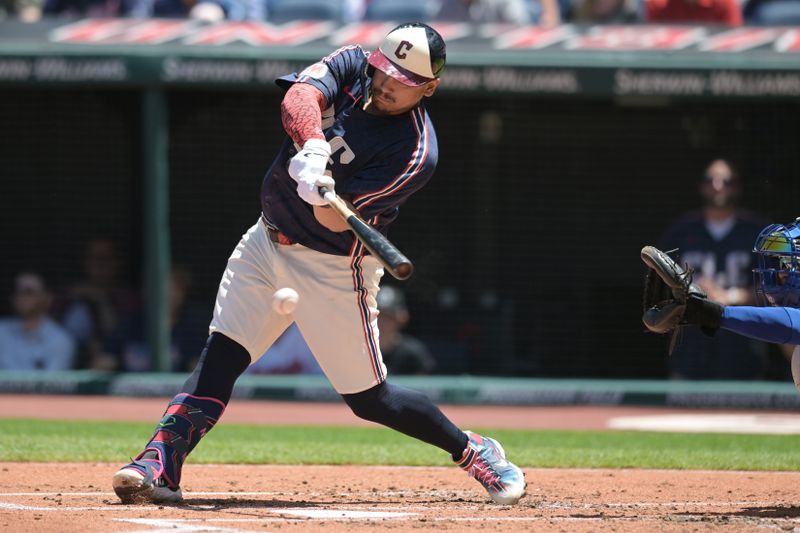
387 253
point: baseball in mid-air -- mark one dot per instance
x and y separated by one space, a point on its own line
285 300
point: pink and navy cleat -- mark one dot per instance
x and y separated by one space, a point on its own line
485 460
143 481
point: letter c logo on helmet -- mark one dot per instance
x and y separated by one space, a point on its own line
399 51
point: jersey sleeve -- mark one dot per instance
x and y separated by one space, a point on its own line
382 187
770 324
331 73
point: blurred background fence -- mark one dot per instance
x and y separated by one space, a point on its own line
526 241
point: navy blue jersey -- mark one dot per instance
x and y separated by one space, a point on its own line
729 262
377 161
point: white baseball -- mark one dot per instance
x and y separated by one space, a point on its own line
285 300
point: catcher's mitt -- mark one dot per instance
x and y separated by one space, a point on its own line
667 288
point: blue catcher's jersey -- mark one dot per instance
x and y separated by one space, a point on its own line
377 161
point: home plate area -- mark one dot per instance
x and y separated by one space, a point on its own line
77 498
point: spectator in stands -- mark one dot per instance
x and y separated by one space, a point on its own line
188 333
24 10
208 10
605 11
345 11
288 355
402 353
716 242
727 12
31 340
95 306
772 12
543 12
75 9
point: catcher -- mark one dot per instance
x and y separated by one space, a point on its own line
672 301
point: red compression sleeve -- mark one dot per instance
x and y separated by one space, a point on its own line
301 113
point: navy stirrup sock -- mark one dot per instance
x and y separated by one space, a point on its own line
195 410
186 420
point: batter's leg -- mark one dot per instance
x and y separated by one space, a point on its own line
414 414
243 326
410 412
155 474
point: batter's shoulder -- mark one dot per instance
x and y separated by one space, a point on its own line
347 57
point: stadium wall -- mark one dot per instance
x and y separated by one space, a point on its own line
579 144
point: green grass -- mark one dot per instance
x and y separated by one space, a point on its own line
43 440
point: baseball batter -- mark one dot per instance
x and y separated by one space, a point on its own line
777 287
355 122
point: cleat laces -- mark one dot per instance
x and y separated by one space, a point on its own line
485 474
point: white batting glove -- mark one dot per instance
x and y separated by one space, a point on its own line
307 168
312 159
308 188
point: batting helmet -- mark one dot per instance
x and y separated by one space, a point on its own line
412 53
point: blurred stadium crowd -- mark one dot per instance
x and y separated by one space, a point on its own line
97 323
541 12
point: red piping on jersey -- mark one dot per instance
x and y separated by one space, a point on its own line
412 169
348 93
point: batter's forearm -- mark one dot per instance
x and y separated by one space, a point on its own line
328 217
301 113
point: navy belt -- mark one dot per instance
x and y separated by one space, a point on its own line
276 235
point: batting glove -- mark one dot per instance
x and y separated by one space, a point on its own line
307 168
311 160
308 188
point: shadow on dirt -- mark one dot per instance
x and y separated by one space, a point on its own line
216 504
231 503
771 511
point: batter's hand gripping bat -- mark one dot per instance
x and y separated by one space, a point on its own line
387 253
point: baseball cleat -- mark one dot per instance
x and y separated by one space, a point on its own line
485 460
135 483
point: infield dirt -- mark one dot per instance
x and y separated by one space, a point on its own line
77 497
74 498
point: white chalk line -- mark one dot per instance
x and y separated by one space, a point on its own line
418 512
415 517
60 508
467 519
234 495
338 514
390 510
172 525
